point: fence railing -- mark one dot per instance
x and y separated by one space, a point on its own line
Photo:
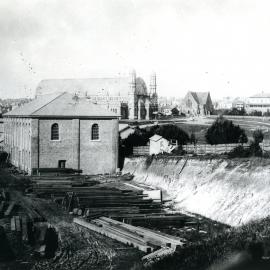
141 150
201 149
265 146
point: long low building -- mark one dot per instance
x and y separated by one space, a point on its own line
259 103
62 131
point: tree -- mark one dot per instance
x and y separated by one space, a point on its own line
255 148
175 111
224 131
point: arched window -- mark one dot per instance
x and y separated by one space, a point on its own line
55 132
95 132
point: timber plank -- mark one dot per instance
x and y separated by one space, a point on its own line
9 209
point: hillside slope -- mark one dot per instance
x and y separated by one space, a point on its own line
230 191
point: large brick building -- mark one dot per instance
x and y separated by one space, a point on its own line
127 96
62 130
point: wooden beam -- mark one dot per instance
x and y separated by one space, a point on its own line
141 245
9 209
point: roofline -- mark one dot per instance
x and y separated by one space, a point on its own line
61 117
85 78
260 97
60 94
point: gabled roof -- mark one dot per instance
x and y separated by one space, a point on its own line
61 105
155 138
118 86
200 97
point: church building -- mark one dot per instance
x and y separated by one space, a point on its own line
197 103
127 96
62 131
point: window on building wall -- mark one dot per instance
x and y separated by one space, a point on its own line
95 132
55 132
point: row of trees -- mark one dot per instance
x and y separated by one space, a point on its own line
222 131
241 112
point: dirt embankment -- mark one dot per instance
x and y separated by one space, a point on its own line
233 192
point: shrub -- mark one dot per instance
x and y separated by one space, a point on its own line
258 136
256 113
239 151
193 138
224 131
175 111
254 148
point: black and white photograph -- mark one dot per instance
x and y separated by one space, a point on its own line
134 135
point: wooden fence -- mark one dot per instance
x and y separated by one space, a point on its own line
265 146
141 150
202 149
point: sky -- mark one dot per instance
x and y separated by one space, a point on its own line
221 46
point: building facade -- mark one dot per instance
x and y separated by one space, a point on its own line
259 103
127 96
197 103
62 131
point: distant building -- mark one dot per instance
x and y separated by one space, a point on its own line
166 110
127 96
225 103
238 104
166 104
259 102
158 145
197 103
62 131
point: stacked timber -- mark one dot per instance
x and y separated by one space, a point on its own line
152 219
144 239
156 256
2 206
32 213
45 186
89 198
4 197
19 224
9 209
